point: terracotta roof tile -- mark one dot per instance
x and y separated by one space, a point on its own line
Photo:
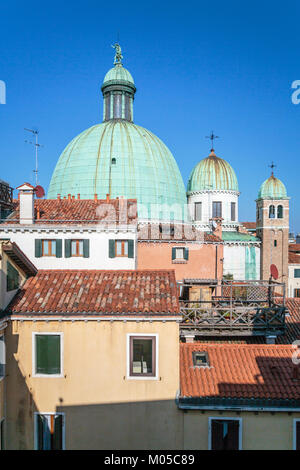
98 292
79 211
294 258
239 371
249 225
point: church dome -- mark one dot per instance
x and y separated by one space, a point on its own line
212 173
272 188
120 158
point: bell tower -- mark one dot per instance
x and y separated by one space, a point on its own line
272 227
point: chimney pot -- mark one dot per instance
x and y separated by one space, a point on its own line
69 197
95 197
78 196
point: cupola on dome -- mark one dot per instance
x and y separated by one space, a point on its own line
272 188
212 173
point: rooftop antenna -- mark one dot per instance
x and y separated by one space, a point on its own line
212 137
37 145
272 166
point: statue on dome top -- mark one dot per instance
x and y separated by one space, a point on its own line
118 54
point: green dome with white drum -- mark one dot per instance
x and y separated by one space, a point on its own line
120 158
212 173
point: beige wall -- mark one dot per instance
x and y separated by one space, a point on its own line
261 431
6 297
94 369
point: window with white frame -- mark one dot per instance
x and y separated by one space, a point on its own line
49 431
225 433
198 211
142 357
2 357
47 354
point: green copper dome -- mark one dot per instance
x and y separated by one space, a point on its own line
120 158
140 164
118 73
212 173
272 188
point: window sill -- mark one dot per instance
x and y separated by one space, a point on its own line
179 261
48 376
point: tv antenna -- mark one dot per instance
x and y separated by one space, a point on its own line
37 145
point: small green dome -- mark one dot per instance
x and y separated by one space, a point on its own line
272 188
118 74
123 159
212 173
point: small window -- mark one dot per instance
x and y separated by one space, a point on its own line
49 431
76 247
233 211
2 357
275 243
121 248
47 354
12 278
198 210
48 247
217 209
142 356
296 292
225 434
297 273
200 359
280 212
272 212
180 254
2 434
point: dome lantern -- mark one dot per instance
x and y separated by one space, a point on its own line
118 90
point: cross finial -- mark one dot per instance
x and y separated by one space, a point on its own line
212 137
272 166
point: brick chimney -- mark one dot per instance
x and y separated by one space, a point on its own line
26 198
216 223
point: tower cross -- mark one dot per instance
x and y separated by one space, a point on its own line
212 137
272 166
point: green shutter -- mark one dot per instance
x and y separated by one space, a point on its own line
38 248
173 253
58 248
186 253
12 277
86 248
130 248
58 428
47 354
67 248
111 249
40 431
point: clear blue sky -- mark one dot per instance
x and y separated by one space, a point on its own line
198 66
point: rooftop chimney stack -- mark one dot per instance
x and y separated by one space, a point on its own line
26 198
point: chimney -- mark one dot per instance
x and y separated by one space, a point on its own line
26 198
73 198
69 197
95 197
107 197
58 196
216 223
78 196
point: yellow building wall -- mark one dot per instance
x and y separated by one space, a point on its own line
261 431
103 408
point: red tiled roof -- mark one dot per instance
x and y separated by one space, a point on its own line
294 258
98 292
79 211
294 247
239 371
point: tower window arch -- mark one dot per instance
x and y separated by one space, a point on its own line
271 212
280 212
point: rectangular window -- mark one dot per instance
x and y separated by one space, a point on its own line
48 247
76 247
217 209
198 210
296 292
296 272
47 354
122 248
275 243
180 253
142 356
225 434
12 278
49 431
200 359
233 211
